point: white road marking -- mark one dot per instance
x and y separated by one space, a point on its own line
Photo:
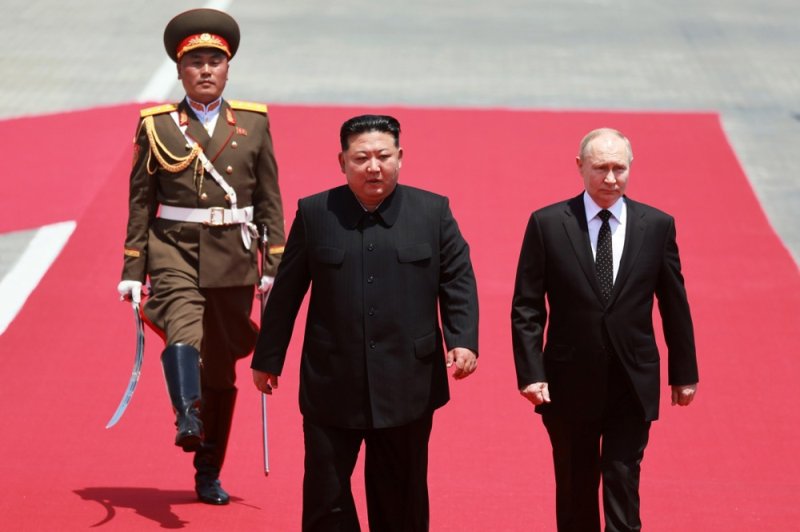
33 263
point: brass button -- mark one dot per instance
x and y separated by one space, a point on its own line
229 169
227 197
234 144
203 196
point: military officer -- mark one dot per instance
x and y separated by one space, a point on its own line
204 182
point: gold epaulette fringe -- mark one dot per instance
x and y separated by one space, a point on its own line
248 106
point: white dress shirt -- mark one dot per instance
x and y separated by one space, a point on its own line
207 114
619 216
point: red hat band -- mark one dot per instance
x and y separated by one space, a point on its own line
203 40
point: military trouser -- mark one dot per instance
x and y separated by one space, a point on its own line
215 321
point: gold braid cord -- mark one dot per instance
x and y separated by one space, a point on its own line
161 152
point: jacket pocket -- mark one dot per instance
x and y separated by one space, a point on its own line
414 253
646 355
327 255
425 345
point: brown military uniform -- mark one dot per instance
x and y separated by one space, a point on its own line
197 201
202 276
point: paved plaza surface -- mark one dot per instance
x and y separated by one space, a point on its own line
735 57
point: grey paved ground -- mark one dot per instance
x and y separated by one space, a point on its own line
738 57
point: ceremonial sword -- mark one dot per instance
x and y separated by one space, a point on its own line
264 240
137 368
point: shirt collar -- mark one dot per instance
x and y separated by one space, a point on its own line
205 112
592 208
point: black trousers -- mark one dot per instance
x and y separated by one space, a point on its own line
395 474
610 447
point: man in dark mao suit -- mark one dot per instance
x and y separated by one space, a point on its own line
596 383
194 234
383 262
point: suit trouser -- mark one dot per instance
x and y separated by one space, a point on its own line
215 321
395 474
610 447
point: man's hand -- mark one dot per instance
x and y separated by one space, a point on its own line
130 291
683 395
465 360
264 381
265 285
537 393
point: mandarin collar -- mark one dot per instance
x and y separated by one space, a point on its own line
386 213
205 112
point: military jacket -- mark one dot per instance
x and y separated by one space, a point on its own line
166 171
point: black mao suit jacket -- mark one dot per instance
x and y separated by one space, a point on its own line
556 264
372 354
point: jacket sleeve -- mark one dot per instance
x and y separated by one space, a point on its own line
142 209
267 203
676 319
528 309
285 298
458 294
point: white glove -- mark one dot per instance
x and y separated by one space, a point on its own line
130 290
266 284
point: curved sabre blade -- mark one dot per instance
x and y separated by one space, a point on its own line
137 369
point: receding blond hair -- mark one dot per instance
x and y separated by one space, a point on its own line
593 134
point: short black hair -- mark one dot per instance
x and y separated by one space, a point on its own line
366 123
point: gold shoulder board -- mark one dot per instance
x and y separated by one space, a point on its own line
248 106
158 109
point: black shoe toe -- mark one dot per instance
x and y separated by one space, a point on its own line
211 492
190 441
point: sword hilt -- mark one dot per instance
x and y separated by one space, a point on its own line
264 234
264 245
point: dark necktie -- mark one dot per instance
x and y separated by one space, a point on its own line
604 258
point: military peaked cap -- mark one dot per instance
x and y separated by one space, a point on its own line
201 28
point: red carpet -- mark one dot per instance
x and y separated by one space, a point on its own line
728 462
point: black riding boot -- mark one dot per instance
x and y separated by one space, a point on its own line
217 413
181 365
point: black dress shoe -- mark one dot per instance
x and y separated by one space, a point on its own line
210 492
190 435
189 442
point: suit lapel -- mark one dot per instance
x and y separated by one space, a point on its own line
634 238
578 234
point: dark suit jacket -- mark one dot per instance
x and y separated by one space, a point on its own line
241 150
372 353
556 264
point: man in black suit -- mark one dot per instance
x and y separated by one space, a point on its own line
595 263
384 261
